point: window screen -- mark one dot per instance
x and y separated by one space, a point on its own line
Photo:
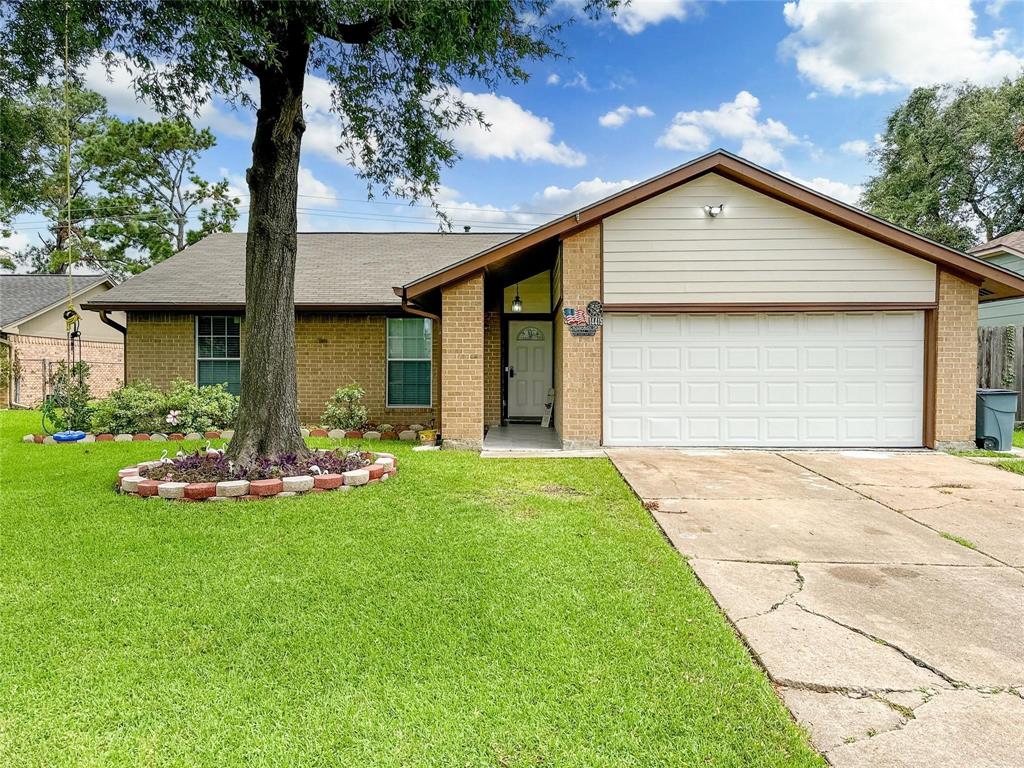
409 361
218 351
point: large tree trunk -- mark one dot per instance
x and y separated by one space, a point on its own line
268 416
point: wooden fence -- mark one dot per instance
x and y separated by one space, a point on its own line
1001 360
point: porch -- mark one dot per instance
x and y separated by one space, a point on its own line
509 361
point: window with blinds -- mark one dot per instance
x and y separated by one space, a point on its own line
218 351
409 358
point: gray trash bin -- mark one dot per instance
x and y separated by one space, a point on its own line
997 409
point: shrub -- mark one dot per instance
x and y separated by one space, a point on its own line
136 407
197 409
71 395
345 409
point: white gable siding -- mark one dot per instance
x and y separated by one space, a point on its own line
759 250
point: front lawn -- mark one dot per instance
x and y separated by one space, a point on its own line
467 613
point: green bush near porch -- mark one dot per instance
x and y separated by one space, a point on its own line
467 613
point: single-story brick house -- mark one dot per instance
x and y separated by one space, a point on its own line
33 334
739 309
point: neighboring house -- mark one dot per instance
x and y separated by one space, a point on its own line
1007 252
783 318
33 331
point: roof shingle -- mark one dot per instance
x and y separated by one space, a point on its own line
24 295
332 269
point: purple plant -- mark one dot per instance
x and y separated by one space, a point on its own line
201 467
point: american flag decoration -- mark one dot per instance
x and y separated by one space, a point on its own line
582 323
575 316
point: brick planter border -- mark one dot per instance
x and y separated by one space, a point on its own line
381 467
218 434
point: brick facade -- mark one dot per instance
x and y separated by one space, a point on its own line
331 351
956 360
37 358
578 381
160 347
492 368
462 349
336 350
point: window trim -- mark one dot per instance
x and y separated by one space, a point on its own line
388 361
195 324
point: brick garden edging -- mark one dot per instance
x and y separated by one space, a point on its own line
129 481
156 437
411 434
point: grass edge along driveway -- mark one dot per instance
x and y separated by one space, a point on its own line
467 613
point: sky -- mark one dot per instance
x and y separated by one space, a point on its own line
802 88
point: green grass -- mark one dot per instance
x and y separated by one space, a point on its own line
1018 438
467 613
958 539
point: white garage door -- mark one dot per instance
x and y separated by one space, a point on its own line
800 379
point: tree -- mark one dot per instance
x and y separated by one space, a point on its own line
38 159
394 69
133 185
147 170
951 163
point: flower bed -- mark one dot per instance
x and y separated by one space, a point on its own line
209 476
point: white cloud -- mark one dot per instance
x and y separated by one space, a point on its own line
620 116
846 193
856 147
116 88
565 199
549 203
515 133
736 120
640 14
580 81
311 186
553 79
995 8
857 48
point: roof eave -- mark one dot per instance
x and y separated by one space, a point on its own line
743 172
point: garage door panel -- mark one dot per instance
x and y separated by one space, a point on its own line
817 379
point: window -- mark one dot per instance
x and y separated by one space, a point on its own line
409 361
218 352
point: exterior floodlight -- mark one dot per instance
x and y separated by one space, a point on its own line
714 210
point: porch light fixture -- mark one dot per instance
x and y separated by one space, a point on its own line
517 303
714 210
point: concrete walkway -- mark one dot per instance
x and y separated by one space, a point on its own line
882 592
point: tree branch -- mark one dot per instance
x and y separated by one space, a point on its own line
360 32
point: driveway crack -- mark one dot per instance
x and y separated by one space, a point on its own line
887 506
882 641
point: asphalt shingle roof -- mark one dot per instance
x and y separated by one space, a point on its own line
24 295
1013 240
332 268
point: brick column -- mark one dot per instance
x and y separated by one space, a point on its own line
578 358
462 363
956 361
492 368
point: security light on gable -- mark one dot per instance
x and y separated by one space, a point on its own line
714 210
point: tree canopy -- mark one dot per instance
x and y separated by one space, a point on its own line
134 187
395 70
951 163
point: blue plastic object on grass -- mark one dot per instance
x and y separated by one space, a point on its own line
70 436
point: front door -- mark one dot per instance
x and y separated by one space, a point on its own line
529 368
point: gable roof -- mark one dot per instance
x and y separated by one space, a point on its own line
996 282
22 296
333 270
1009 243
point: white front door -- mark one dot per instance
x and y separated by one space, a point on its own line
794 379
529 367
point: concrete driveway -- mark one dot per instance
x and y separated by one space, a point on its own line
882 592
